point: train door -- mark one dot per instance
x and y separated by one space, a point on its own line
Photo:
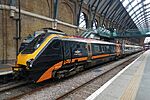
51 54
118 50
89 52
67 52
48 57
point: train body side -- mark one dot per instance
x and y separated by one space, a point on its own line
58 56
66 55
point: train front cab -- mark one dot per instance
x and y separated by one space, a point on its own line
53 55
57 56
74 56
28 63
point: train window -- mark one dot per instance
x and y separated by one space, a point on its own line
107 48
96 48
112 49
79 49
53 48
51 53
84 49
35 44
67 49
78 45
55 44
102 48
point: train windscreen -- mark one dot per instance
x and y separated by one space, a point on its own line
35 44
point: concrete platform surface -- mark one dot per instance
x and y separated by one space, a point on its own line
5 68
131 83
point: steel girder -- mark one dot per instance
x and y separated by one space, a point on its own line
104 4
140 11
79 12
146 14
141 8
55 9
114 11
107 10
141 17
135 6
111 9
142 21
95 10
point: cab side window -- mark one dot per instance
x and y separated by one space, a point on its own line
56 45
96 49
53 49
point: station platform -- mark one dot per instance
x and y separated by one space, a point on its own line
5 69
131 83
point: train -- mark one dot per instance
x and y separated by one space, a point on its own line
55 55
30 37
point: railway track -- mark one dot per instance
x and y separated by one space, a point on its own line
12 85
86 89
23 89
6 78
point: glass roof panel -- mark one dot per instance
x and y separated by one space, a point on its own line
139 10
121 0
135 2
131 12
133 16
125 3
148 14
139 15
139 0
129 8
146 1
147 10
147 6
137 7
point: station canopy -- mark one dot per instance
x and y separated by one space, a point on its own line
139 10
131 14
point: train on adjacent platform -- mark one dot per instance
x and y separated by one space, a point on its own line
54 55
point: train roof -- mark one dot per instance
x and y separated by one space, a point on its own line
86 40
132 46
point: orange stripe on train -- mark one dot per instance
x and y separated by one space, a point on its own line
48 73
100 56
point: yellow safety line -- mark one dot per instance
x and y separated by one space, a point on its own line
131 90
11 65
5 69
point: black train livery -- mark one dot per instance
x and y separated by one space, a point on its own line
56 56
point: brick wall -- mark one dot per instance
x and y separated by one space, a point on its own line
30 24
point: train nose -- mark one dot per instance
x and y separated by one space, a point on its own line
29 63
19 68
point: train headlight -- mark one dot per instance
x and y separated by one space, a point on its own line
29 63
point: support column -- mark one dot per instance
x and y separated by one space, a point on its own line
89 24
55 14
4 36
78 16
